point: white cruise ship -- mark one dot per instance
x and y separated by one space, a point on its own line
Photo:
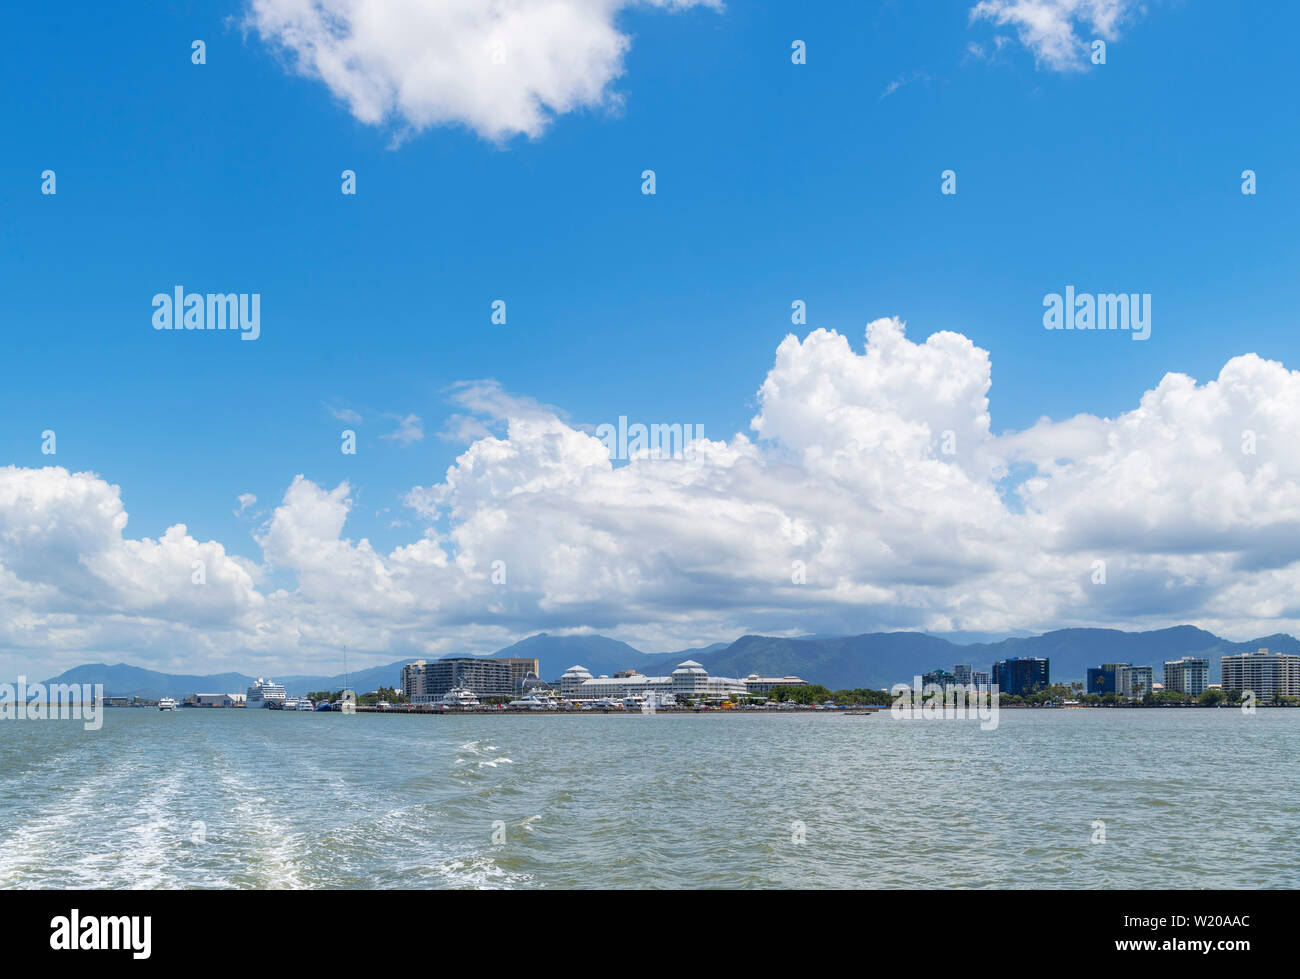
263 693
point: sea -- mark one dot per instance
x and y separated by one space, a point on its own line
1075 798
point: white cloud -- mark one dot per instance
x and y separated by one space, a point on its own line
501 68
246 500
904 79
409 430
875 466
345 415
1050 28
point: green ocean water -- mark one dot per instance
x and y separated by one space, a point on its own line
262 799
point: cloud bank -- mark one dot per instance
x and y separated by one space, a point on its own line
870 494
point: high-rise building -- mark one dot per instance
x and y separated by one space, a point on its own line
520 668
413 679
1101 680
939 678
963 673
1133 681
1188 675
1020 675
1266 674
486 676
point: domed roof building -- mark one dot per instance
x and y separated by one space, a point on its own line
574 677
690 680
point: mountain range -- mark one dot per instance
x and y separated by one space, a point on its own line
872 660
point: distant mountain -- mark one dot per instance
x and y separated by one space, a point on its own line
873 660
123 680
883 659
1073 651
876 660
362 681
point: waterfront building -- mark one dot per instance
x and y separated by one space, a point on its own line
689 680
216 699
940 678
413 679
756 685
520 669
1267 674
574 677
486 676
963 673
1134 681
981 679
1103 680
1020 675
1188 675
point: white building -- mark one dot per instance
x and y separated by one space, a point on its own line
1134 681
1188 675
1267 674
759 685
218 699
689 680
574 677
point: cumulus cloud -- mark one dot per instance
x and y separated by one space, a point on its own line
1050 28
870 493
501 68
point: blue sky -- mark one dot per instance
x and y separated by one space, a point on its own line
775 182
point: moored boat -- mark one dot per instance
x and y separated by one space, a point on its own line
459 697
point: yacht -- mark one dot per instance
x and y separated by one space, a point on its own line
532 702
265 693
305 703
167 703
461 697
324 706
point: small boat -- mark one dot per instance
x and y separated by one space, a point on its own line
167 703
324 707
305 704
